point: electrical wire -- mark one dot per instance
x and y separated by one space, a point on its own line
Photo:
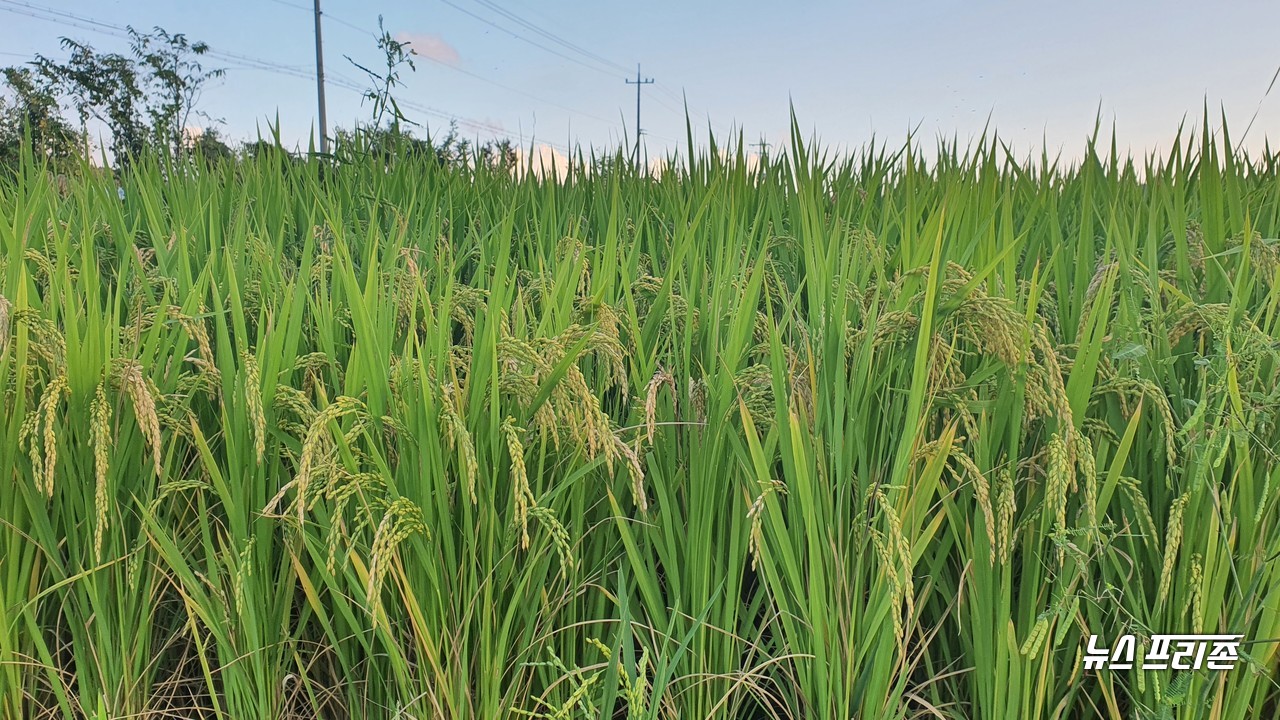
490 23
459 70
551 36
335 79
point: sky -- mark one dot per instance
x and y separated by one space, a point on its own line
551 74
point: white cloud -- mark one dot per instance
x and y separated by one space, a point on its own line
542 162
431 46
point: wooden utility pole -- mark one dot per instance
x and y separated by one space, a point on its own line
324 129
637 82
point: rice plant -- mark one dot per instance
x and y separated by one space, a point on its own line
869 436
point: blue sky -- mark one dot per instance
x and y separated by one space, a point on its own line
1039 71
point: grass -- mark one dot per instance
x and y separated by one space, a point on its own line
820 437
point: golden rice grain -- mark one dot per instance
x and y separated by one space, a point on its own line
317 438
1197 593
48 412
660 378
1060 476
1172 541
635 470
130 377
1006 506
982 493
1088 469
559 535
456 435
897 541
401 520
522 495
253 404
100 413
47 341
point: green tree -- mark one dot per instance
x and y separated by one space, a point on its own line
173 78
32 112
210 147
102 87
145 98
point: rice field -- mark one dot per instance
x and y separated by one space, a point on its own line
864 436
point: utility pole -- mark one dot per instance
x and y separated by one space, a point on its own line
324 130
637 82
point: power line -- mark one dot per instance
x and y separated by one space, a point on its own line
462 71
524 39
105 28
518 91
331 16
65 14
689 112
63 21
286 3
493 5
63 17
550 35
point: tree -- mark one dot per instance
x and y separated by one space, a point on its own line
33 113
145 98
261 149
99 86
210 147
173 81
497 154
